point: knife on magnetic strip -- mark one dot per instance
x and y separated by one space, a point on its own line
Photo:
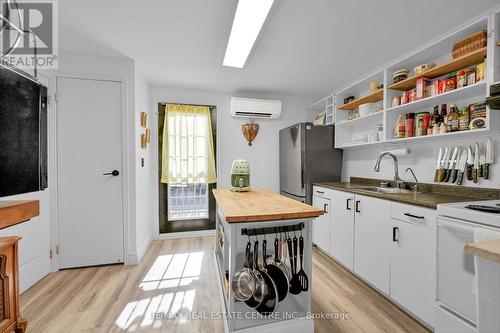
454 164
438 165
444 164
470 162
461 167
475 167
449 164
490 155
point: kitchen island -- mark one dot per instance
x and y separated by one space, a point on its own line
244 217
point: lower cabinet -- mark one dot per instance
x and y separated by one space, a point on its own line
388 244
342 228
413 261
321 226
372 241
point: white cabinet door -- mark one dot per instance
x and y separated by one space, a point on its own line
342 227
372 241
412 269
321 226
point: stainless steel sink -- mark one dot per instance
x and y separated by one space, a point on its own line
387 190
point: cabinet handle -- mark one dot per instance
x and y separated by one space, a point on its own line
395 236
414 216
320 192
348 204
325 208
357 206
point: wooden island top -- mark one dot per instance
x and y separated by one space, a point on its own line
16 211
260 205
487 249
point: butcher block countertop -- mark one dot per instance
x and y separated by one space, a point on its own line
488 249
17 211
260 205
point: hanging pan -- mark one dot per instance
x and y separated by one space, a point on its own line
270 301
260 285
243 282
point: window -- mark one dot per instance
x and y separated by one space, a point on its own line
187 201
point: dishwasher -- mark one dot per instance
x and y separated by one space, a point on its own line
456 294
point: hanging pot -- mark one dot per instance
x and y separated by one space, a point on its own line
250 131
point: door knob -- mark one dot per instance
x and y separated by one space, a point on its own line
112 173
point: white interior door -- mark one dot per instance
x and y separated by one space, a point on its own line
89 144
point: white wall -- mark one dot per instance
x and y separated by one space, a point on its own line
422 159
146 217
263 156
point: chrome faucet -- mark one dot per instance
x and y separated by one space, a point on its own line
415 187
397 179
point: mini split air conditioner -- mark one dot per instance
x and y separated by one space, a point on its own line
255 108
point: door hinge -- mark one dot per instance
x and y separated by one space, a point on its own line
55 97
57 249
50 254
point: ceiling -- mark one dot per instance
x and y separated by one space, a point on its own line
306 47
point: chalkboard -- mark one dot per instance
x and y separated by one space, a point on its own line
19 134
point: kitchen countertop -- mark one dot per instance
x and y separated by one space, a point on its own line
260 205
430 196
16 211
488 249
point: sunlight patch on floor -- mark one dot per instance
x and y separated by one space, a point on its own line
178 272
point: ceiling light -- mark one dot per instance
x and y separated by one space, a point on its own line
248 20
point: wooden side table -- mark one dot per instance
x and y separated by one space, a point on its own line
10 317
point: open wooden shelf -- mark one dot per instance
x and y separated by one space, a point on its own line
374 97
453 65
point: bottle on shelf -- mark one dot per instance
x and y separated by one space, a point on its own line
453 118
399 127
463 119
444 114
436 117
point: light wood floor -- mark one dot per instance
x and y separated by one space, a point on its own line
123 298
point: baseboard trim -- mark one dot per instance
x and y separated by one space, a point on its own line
144 247
187 234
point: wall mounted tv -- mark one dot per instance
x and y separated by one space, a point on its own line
23 133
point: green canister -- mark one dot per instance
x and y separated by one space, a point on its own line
240 176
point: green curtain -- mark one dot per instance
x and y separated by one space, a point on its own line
188 147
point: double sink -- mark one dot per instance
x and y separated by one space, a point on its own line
379 189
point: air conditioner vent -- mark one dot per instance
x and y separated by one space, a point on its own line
255 108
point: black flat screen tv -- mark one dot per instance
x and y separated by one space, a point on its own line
23 134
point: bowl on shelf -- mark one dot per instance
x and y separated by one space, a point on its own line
400 75
423 68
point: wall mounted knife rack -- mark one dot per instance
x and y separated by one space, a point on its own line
272 230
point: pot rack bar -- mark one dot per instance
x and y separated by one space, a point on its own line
272 230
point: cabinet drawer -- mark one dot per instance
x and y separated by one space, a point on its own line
322 192
414 214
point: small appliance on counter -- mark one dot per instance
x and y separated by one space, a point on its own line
240 176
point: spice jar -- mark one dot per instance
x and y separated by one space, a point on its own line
409 125
427 122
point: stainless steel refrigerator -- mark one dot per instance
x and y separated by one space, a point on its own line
307 155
